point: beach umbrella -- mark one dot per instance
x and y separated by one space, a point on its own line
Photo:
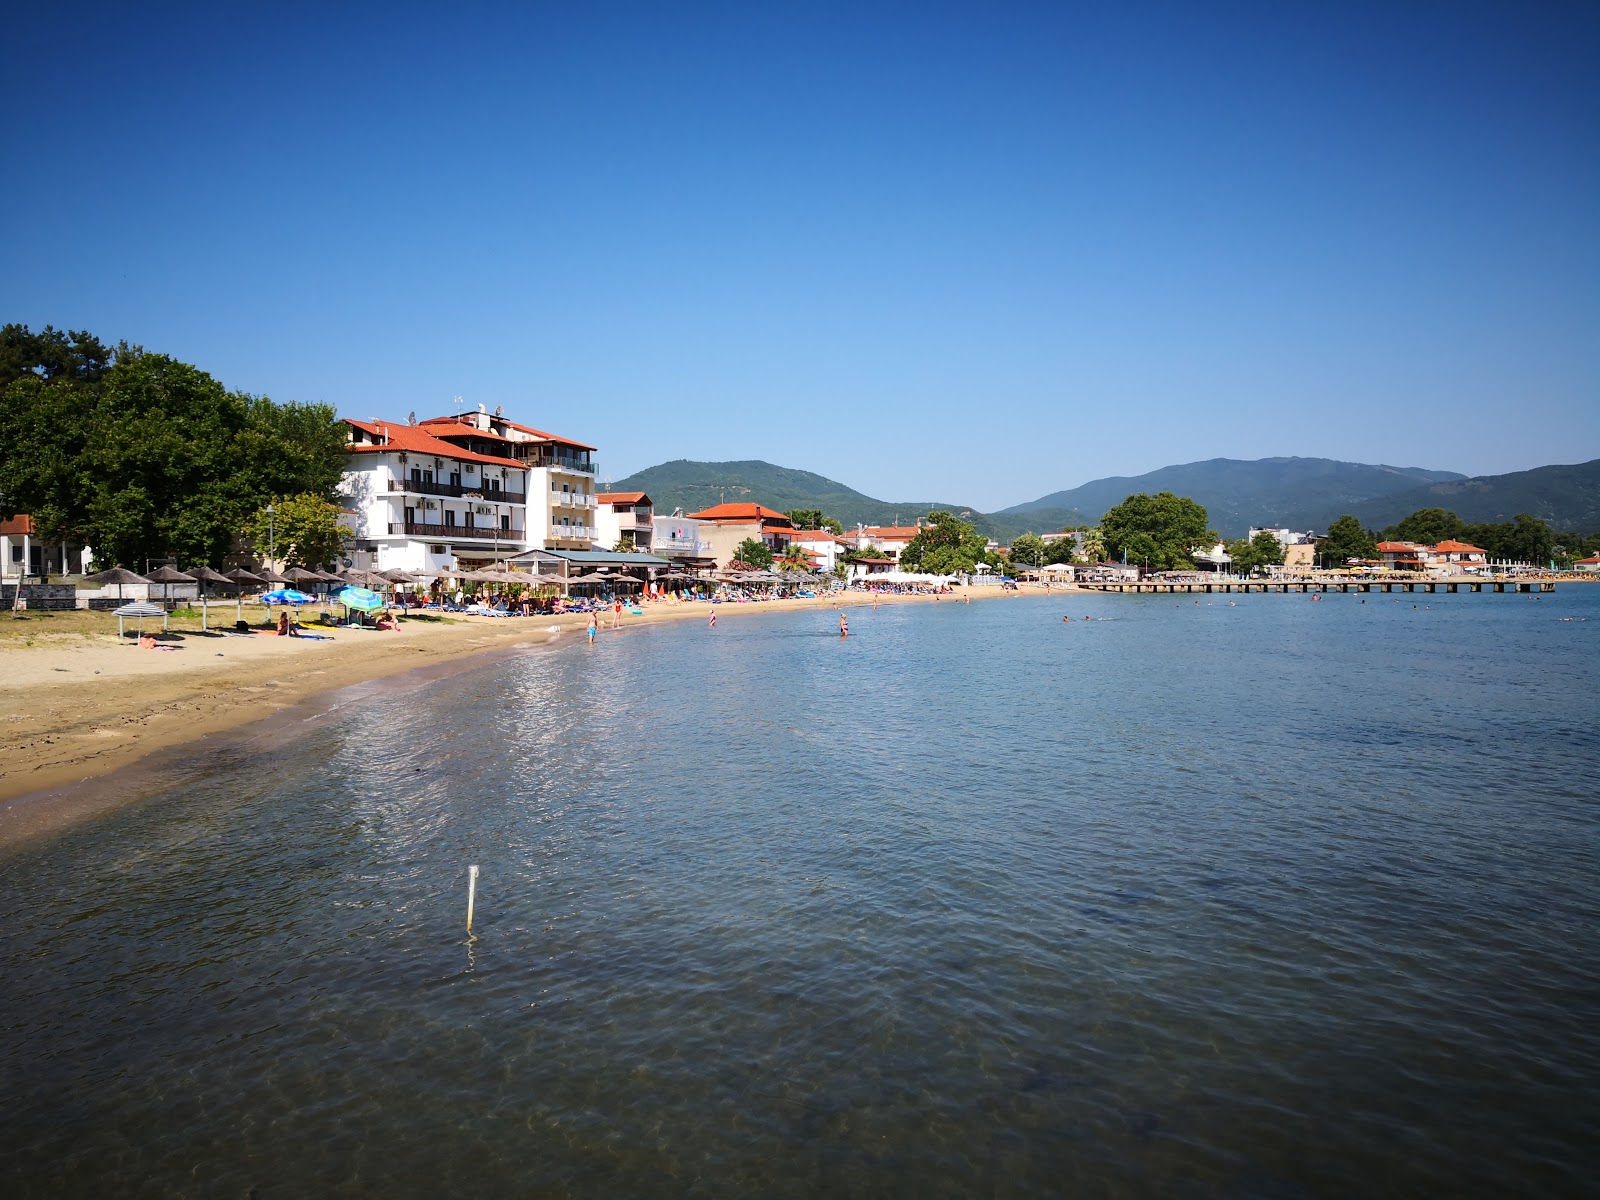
271 575
242 579
360 599
206 575
287 596
139 610
166 577
301 575
396 575
118 576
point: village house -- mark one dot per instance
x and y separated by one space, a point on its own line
824 547
1447 558
888 540
623 517
22 553
724 526
679 538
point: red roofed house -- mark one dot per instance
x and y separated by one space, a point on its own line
1590 564
623 517
1403 556
463 490
1447 558
1449 551
890 539
724 526
825 547
21 553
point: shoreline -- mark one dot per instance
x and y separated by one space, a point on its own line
74 716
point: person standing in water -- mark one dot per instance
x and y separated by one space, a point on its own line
592 628
844 626
713 620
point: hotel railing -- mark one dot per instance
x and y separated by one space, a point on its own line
483 532
455 490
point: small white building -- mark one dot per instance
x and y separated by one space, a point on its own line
824 546
624 517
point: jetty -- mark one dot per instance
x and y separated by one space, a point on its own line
1341 585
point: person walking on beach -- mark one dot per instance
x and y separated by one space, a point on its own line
616 613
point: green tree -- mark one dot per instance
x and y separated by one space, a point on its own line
794 559
1426 526
1062 550
142 456
945 545
1027 550
1160 531
813 518
754 552
1263 550
1529 540
1094 545
304 531
1346 540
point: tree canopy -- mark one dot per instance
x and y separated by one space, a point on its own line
1346 540
1027 550
1427 526
945 545
1160 531
813 518
141 456
1263 550
303 531
753 552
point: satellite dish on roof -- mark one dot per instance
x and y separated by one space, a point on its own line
499 410
411 417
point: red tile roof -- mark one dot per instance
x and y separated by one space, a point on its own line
622 498
1452 547
1592 559
466 420
416 440
16 526
460 427
1397 547
893 532
743 513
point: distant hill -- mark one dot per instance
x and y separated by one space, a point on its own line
1297 493
690 485
1567 498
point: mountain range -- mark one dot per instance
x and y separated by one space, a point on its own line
1294 493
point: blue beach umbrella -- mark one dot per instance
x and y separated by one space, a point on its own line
360 598
287 596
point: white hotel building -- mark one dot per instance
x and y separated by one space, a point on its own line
462 491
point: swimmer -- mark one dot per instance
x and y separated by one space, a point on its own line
1066 618
713 620
844 626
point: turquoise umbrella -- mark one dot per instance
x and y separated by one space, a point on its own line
360 598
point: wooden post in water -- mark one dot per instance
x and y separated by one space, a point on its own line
472 893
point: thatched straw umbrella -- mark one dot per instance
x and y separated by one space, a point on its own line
118 576
206 575
166 577
244 579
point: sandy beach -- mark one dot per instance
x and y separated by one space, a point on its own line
82 708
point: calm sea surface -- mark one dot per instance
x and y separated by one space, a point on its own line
1288 898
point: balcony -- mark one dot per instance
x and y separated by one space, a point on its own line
440 533
571 499
454 490
561 464
572 533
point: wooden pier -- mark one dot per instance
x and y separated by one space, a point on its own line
1344 585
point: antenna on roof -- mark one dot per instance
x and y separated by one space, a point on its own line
459 402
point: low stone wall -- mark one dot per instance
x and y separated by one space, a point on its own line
41 597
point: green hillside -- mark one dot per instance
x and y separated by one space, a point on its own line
1298 493
1564 497
690 485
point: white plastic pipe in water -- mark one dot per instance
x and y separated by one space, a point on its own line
472 893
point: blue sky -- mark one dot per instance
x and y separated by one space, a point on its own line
969 252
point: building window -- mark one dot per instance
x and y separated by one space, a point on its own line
450 517
505 522
455 478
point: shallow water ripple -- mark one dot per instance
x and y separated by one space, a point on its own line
1279 899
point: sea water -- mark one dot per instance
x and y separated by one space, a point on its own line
1277 897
